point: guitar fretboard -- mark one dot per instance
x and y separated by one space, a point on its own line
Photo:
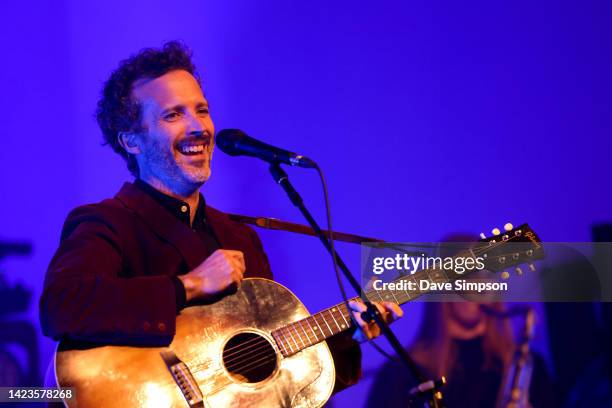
304 333
314 329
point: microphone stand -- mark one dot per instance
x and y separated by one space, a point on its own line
430 388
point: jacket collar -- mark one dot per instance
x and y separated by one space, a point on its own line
164 224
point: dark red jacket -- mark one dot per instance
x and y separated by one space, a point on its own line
110 280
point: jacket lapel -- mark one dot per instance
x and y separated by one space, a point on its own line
164 224
220 224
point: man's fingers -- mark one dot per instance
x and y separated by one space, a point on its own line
236 260
396 311
233 254
357 306
237 275
363 326
389 312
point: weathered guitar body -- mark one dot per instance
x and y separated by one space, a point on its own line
113 376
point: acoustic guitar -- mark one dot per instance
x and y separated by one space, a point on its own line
259 347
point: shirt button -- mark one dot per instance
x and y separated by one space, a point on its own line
161 327
184 208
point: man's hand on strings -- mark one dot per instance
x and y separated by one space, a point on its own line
389 312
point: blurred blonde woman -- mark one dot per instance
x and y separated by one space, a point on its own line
472 348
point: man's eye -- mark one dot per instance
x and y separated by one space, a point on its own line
203 111
171 116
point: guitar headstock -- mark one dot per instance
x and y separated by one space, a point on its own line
511 247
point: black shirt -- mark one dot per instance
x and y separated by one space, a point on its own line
181 210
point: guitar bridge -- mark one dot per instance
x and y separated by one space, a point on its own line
184 379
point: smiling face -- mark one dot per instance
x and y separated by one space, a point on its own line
175 146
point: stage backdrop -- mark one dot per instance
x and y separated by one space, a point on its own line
427 119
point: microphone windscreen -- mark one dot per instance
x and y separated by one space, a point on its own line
226 140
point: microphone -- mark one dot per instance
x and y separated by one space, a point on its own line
237 143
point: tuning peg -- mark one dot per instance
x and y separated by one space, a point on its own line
508 226
495 231
532 267
483 236
505 275
518 270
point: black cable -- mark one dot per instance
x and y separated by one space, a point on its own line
335 262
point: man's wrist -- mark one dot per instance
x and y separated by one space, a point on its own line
180 293
190 285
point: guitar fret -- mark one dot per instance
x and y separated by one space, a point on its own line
285 329
317 339
344 317
331 332
417 292
279 342
286 343
437 276
387 297
297 347
306 334
319 326
407 296
298 335
332 315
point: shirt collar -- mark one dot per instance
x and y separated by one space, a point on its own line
176 207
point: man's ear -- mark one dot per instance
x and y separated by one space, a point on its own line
129 142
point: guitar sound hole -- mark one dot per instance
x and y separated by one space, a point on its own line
249 357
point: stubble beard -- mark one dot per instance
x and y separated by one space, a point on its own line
174 173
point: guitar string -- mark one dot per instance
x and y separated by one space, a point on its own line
296 331
237 361
311 338
258 364
483 249
258 343
261 342
241 366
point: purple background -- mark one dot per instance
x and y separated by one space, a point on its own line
426 118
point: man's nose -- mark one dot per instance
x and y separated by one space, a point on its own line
195 125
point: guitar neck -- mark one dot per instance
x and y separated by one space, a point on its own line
494 252
304 333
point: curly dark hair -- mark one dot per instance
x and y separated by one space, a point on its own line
117 111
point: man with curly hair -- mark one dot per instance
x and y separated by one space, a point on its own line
128 265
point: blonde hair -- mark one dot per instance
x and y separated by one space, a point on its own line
436 352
